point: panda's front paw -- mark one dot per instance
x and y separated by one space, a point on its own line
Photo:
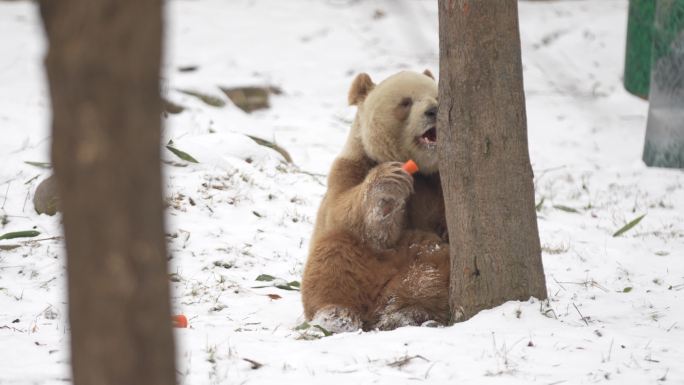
391 180
337 319
389 186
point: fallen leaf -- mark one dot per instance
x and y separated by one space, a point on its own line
629 225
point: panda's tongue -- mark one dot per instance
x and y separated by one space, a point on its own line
429 136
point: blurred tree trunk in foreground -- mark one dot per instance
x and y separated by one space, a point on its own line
484 160
103 68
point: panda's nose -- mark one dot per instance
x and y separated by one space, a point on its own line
431 112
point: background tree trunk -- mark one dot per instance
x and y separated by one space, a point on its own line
103 69
664 142
484 160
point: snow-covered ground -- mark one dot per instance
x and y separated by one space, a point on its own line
616 309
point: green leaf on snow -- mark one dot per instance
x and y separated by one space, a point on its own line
39 164
566 209
265 278
181 154
628 226
20 234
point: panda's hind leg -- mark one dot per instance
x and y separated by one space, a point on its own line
420 292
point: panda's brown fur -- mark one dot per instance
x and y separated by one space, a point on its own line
379 257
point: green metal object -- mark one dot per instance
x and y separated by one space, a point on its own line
638 52
664 144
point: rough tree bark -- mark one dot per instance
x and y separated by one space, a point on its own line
484 161
103 68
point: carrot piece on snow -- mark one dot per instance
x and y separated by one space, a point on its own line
179 321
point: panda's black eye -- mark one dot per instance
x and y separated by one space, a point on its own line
405 102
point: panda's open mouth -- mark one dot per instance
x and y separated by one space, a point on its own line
429 136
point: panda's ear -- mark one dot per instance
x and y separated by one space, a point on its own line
360 88
429 74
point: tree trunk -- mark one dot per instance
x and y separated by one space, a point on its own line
484 161
103 68
664 143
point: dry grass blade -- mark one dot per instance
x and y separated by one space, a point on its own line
587 284
255 364
629 225
30 241
580 314
32 179
405 360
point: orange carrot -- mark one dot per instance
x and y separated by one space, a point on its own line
179 321
410 167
